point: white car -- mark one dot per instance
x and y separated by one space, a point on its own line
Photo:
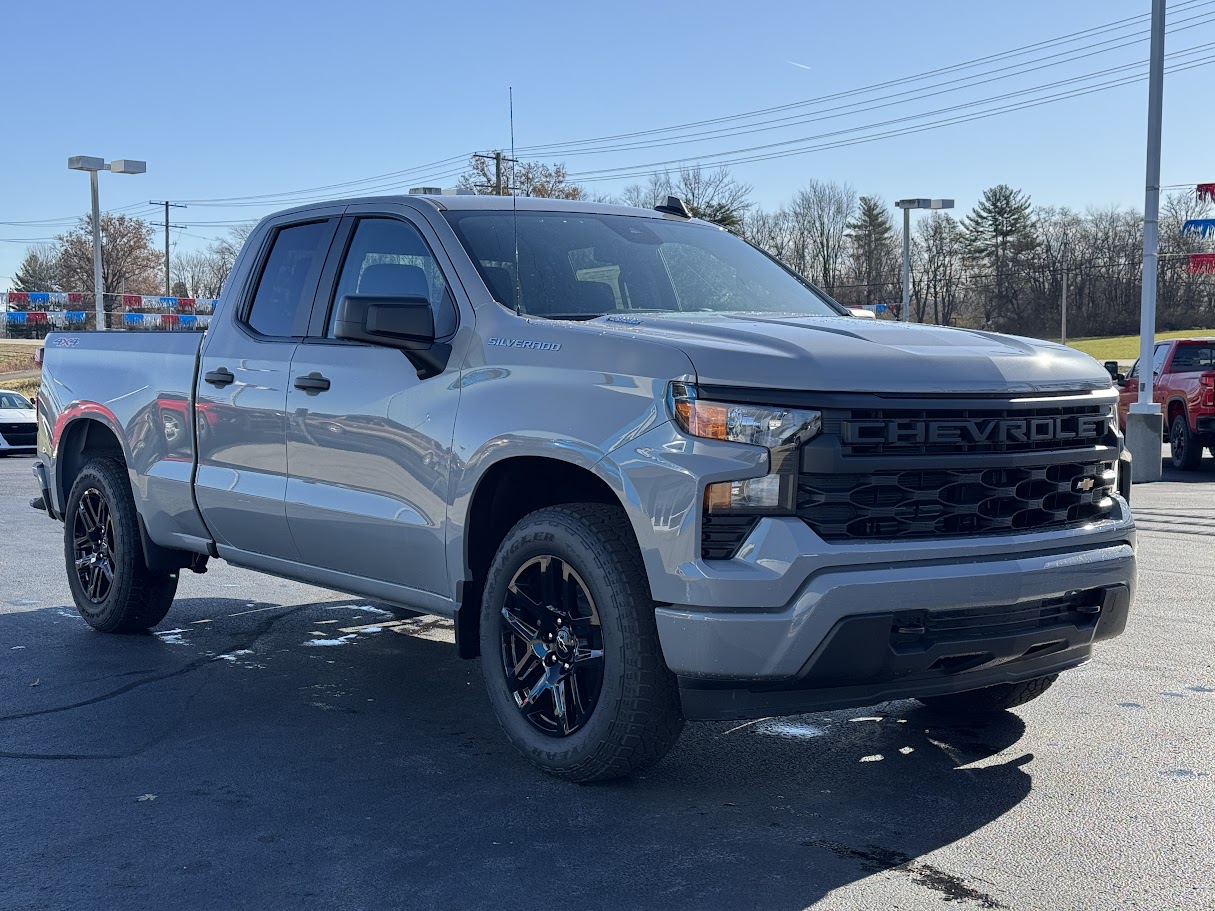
18 423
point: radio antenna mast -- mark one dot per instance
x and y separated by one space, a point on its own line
514 205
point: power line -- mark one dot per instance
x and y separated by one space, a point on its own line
978 61
720 159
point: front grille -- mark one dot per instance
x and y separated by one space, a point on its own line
939 503
25 434
985 437
721 536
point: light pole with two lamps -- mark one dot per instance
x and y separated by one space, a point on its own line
907 205
93 165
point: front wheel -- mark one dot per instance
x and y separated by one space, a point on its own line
1186 454
569 646
113 588
990 700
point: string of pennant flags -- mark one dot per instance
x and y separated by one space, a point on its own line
58 309
1202 263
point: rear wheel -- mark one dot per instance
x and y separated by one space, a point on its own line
569 646
113 588
990 700
1186 454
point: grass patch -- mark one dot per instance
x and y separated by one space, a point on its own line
28 388
1126 347
14 358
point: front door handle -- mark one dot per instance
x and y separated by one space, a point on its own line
312 383
221 377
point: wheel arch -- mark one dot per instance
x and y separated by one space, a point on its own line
91 437
507 491
1177 406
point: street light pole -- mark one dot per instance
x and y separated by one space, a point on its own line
93 165
1144 422
98 300
906 264
907 205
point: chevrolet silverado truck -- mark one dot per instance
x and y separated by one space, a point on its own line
1183 384
650 473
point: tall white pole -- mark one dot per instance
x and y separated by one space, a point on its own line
1151 209
98 299
1144 424
906 265
1063 309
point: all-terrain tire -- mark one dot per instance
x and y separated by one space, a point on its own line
134 598
990 700
1186 453
636 718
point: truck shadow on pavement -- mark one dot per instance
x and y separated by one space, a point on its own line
340 755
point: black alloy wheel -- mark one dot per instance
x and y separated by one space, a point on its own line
552 646
95 545
1186 453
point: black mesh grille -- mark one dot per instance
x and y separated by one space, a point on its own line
937 503
962 439
721 536
25 434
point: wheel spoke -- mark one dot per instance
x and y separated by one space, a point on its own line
529 657
559 706
583 655
527 633
548 582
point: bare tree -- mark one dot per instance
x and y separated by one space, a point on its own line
525 178
820 214
715 195
129 262
938 267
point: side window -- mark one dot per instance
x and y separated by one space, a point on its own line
1158 358
283 299
388 256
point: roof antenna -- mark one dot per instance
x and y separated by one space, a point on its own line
514 205
674 206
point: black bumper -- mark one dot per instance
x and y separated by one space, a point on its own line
903 654
1206 426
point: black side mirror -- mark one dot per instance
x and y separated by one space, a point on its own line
394 321
1111 367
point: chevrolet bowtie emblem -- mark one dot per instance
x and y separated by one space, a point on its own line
1084 484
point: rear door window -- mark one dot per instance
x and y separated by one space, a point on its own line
282 302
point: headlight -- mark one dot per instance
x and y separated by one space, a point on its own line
779 429
772 426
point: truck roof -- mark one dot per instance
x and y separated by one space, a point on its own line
494 204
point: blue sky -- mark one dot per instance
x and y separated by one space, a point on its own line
228 99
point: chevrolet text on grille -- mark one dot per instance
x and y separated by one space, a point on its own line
1027 430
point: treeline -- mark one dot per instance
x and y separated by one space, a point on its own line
1001 266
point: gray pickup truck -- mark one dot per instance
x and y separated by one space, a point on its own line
650 473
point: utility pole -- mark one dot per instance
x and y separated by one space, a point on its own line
499 184
1144 423
167 205
1063 307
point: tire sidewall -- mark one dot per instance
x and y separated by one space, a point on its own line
106 616
1186 460
547 534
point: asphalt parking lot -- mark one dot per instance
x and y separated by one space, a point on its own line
280 746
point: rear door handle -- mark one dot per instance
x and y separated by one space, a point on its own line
221 377
311 383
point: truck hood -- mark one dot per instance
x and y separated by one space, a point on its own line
845 354
17 416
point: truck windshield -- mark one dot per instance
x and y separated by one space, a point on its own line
14 400
580 266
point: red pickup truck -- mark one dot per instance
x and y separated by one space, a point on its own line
1184 386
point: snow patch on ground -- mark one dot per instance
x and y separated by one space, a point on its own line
789 730
340 640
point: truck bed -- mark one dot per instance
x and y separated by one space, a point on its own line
141 386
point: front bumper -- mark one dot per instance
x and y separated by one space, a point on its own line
849 635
